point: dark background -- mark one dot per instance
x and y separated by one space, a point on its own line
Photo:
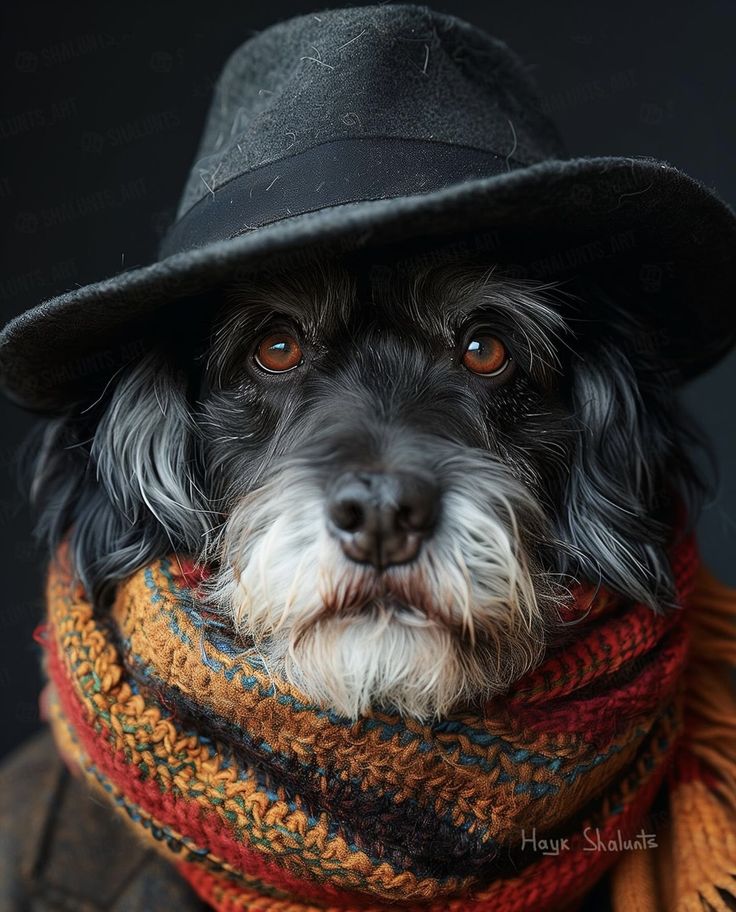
100 114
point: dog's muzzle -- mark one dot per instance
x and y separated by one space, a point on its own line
381 518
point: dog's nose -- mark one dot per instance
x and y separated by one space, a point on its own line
381 518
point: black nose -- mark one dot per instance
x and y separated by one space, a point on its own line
381 518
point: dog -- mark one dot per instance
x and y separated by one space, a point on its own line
394 472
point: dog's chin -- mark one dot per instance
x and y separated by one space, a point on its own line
381 642
389 655
386 653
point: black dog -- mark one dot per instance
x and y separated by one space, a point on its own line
394 473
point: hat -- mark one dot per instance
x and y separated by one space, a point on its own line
378 126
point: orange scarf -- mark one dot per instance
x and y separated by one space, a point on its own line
266 801
694 866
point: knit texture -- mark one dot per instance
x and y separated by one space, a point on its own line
266 801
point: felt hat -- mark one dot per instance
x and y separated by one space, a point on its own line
385 126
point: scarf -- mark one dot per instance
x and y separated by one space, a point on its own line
617 754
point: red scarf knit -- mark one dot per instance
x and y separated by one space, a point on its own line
266 801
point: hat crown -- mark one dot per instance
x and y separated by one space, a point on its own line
394 72
379 126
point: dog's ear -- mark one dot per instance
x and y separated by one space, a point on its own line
124 485
631 475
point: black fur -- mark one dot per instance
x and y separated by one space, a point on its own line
589 422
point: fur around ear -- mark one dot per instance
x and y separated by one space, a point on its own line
124 485
632 474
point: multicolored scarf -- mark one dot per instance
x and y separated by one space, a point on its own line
618 754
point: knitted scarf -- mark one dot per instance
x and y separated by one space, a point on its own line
617 754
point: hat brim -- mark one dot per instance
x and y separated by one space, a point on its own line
663 240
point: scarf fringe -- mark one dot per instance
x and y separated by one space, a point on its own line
694 867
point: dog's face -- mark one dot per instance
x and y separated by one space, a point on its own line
384 450
395 474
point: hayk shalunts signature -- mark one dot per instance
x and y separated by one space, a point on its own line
594 840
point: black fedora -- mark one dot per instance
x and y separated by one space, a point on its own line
383 125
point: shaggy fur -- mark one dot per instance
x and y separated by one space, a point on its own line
567 466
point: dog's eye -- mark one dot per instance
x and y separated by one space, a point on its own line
486 355
278 352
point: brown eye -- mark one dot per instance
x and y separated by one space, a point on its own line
486 355
278 352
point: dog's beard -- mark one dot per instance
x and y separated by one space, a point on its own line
458 624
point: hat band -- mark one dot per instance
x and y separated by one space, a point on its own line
329 174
